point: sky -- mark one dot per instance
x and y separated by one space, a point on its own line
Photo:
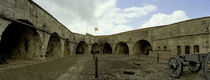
115 16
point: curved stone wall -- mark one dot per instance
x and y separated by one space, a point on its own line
52 39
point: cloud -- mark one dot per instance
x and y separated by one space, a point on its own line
112 20
164 19
122 28
138 11
83 16
67 11
120 16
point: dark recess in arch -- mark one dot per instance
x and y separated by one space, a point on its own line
142 47
122 48
95 48
54 46
82 48
19 41
107 48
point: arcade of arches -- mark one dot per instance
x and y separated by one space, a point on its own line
21 41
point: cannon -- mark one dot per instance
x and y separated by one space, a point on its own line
194 62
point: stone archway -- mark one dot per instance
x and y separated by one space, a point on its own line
95 48
19 41
67 50
122 48
107 48
54 46
82 48
142 47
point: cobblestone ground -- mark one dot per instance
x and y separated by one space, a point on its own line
81 67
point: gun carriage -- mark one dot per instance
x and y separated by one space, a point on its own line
194 62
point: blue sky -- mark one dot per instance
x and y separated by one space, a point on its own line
192 8
115 16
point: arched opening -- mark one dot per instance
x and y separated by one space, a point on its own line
54 46
122 48
95 48
67 50
107 49
142 47
20 41
82 48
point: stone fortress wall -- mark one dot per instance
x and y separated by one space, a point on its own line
29 32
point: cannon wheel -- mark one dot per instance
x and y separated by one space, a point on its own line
175 67
207 67
194 66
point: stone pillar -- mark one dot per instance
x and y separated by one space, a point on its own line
3 25
44 39
73 48
113 48
101 49
62 47
89 48
130 47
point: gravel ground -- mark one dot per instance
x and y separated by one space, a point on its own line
50 70
81 67
115 67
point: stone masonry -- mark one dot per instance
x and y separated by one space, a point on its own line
29 32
